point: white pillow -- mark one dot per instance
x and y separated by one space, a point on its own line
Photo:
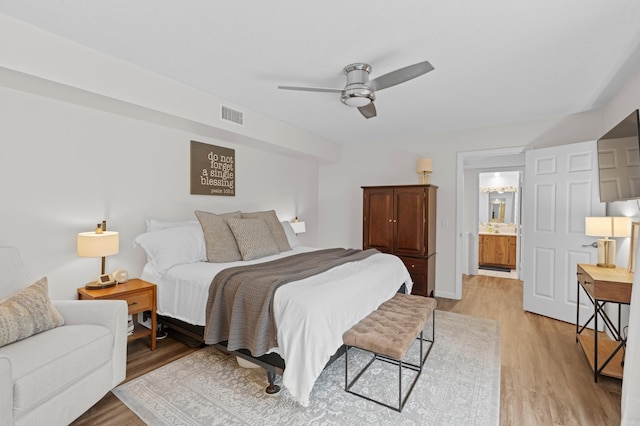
157 225
173 246
291 236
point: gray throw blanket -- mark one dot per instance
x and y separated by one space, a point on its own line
240 304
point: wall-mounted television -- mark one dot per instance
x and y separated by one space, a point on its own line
619 161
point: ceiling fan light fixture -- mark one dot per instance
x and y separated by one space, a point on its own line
359 91
358 96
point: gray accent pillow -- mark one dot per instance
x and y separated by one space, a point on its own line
254 238
28 312
274 225
220 242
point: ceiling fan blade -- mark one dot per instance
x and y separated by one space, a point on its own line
311 89
401 75
368 111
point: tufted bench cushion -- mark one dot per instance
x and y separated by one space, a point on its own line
385 332
408 304
391 329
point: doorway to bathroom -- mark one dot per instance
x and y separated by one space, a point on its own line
469 166
499 205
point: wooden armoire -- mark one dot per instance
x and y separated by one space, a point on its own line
401 220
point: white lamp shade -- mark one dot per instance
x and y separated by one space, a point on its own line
91 244
425 165
608 226
298 227
598 226
621 227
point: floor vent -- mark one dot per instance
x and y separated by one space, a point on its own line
232 115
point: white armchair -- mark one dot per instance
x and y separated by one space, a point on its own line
54 376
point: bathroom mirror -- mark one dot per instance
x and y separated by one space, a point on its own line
496 209
499 207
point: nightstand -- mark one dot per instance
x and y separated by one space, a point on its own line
140 296
602 286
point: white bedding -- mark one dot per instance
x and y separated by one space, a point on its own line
311 314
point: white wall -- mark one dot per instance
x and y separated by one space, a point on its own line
469 238
39 62
64 168
85 137
393 163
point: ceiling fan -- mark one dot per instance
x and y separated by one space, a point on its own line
360 92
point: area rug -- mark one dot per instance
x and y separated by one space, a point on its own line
459 385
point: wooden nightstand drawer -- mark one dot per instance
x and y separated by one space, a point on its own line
139 302
414 264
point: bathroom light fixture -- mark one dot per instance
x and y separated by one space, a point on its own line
606 227
424 168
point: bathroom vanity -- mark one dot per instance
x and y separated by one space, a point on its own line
497 250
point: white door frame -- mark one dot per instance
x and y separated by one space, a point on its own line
463 157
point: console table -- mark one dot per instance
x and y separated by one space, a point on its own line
602 286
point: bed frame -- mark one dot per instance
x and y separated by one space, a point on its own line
272 362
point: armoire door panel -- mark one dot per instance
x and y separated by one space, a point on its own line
430 224
378 220
409 221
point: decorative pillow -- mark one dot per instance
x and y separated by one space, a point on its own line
157 225
254 238
220 242
292 238
28 312
172 246
274 225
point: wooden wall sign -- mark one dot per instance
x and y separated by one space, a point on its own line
213 169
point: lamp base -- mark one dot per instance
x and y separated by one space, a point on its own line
606 253
95 285
425 179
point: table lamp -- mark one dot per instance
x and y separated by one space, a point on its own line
607 227
99 243
424 168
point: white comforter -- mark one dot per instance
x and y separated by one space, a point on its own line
311 315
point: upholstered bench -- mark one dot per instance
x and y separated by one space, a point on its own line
389 332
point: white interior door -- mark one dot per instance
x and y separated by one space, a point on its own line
561 189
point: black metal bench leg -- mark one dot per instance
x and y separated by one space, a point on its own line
400 386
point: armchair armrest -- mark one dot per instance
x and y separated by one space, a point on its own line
111 314
6 392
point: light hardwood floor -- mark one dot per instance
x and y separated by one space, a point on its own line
545 377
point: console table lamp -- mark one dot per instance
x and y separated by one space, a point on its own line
424 168
607 227
100 243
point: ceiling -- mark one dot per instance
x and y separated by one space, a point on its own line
496 61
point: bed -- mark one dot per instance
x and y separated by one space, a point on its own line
310 314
